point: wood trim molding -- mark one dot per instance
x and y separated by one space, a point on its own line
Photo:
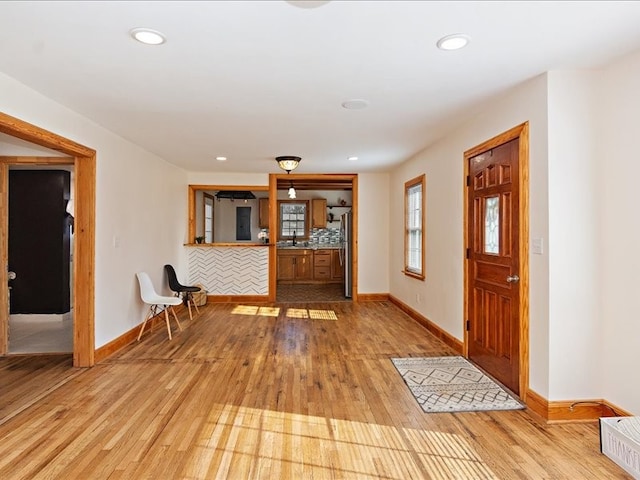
422 181
84 161
4 257
26 131
191 201
355 297
130 336
119 343
273 227
373 297
522 133
37 160
428 324
572 411
84 264
237 298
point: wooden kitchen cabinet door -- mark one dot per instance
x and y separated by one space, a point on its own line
319 213
263 212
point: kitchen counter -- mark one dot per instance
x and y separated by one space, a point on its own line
311 246
218 245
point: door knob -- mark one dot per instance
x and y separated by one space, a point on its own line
513 278
11 275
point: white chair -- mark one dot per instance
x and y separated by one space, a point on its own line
155 302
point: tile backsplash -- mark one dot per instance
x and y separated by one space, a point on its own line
324 236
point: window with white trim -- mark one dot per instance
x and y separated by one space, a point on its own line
414 210
208 218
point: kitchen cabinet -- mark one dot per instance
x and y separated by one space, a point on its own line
322 265
337 266
319 213
263 213
294 265
309 266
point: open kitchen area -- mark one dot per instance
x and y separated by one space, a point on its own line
314 246
296 247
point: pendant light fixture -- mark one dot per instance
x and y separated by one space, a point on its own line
288 163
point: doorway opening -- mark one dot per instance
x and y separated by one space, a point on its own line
84 162
314 237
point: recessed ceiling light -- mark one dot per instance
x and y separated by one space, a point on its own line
355 104
148 36
307 3
221 159
453 42
353 159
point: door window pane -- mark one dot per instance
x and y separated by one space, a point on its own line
492 225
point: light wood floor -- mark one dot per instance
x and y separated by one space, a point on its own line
262 392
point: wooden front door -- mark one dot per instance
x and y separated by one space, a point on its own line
494 263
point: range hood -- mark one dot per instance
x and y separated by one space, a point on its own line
235 195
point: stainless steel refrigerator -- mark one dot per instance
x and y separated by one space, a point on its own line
346 251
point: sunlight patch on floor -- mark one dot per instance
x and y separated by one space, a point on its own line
322 315
241 440
297 313
255 310
311 314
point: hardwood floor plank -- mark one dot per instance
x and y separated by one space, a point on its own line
240 393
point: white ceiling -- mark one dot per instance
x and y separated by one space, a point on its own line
254 80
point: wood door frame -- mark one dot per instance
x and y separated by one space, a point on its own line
336 179
520 132
191 201
84 162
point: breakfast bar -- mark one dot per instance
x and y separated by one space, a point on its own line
230 269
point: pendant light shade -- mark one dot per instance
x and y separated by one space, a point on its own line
288 163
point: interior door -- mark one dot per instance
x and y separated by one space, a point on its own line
39 241
493 263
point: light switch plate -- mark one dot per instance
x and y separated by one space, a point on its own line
537 246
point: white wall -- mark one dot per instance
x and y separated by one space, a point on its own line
617 195
373 238
440 296
140 207
224 220
574 296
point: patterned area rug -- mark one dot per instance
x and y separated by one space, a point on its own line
452 384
